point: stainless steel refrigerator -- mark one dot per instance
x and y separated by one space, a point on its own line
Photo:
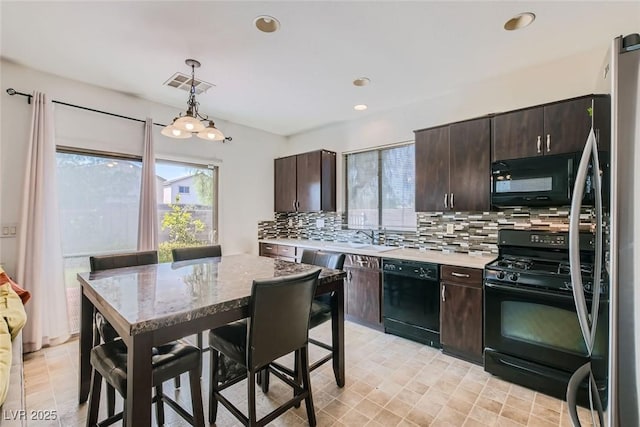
620 78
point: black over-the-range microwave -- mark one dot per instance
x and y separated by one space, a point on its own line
543 180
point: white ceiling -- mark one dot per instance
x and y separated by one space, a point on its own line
300 77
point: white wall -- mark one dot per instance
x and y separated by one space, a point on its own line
246 163
569 77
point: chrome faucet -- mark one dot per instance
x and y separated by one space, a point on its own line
370 235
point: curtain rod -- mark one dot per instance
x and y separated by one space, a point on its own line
12 92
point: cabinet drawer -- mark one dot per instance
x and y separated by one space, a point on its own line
287 251
269 249
363 261
462 275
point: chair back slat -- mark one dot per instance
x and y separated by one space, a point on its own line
107 262
183 254
279 322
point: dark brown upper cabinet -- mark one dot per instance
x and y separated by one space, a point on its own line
556 128
305 182
453 167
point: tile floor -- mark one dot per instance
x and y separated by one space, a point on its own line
390 382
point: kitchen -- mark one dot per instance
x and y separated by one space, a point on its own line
239 220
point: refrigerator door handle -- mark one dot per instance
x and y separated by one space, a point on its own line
594 397
597 270
574 243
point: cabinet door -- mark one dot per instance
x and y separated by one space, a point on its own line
516 135
470 165
566 126
285 184
308 181
461 319
363 294
602 121
432 169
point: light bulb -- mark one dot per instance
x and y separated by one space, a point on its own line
176 132
189 126
211 135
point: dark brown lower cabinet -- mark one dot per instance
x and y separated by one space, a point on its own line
461 312
283 252
363 288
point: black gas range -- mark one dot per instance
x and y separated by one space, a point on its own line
540 260
531 331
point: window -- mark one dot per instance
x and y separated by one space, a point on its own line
380 188
186 218
99 198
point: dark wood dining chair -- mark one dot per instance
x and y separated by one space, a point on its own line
184 254
109 362
320 311
278 325
102 330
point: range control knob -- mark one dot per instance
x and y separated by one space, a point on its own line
500 275
513 277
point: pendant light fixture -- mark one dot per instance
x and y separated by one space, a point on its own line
191 122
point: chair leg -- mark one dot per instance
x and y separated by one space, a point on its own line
251 385
159 405
111 400
124 413
94 399
297 371
306 385
196 398
213 386
264 380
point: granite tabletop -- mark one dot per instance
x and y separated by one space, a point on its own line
152 296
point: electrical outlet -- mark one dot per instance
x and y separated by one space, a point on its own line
450 228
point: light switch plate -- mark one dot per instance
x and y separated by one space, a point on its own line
449 228
8 230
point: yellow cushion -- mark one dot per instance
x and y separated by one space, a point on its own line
5 359
11 310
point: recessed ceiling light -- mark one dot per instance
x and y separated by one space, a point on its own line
360 107
266 23
362 81
520 21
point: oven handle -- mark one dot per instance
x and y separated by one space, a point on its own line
526 291
410 276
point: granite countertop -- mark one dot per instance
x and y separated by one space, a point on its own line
152 296
455 259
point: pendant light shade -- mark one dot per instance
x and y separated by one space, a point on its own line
173 132
211 133
191 122
188 124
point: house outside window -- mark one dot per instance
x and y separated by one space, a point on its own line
380 188
183 189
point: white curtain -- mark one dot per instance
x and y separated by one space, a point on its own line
40 262
148 217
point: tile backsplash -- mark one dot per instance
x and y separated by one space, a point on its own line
473 232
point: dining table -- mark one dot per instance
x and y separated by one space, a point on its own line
153 304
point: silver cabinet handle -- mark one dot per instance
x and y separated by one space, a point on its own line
539 144
445 200
349 276
451 200
297 204
294 205
443 287
548 143
453 273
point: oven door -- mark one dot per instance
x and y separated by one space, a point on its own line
542 327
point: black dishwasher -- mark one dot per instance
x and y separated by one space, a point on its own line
412 300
